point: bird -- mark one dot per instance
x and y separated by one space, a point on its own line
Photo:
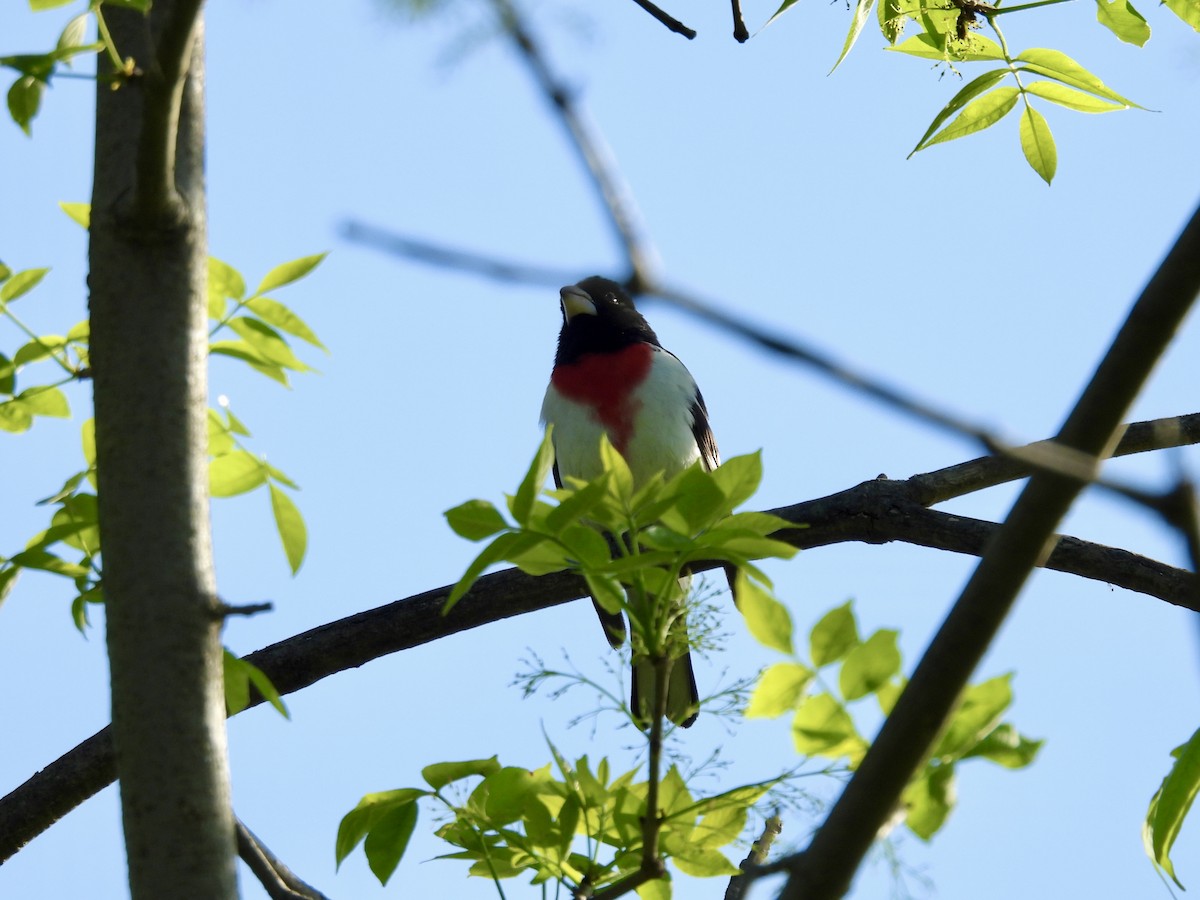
612 376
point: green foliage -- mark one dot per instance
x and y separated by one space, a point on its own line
578 826
824 716
239 675
1171 803
70 545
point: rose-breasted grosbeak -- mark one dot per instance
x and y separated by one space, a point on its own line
612 375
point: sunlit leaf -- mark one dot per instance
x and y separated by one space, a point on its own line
288 272
1057 65
290 525
862 11
1006 746
235 473
778 690
475 520
80 213
833 636
783 7
969 92
275 313
976 116
388 839
45 401
1119 17
356 824
438 775
1188 10
24 99
929 800
1071 98
870 665
1037 143
822 727
1171 804
767 619
21 283
534 480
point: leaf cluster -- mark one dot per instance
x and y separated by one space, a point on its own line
581 827
823 710
70 544
665 526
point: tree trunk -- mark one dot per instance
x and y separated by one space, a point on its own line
148 281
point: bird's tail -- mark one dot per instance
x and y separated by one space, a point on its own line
683 700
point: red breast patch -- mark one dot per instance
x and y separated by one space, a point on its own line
606 382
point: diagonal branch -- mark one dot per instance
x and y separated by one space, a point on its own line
825 869
589 145
672 23
875 512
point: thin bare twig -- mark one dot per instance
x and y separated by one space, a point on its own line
740 33
759 850
825 869
589 145
672 23
280 882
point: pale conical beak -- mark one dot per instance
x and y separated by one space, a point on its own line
576 302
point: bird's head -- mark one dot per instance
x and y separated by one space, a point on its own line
598 314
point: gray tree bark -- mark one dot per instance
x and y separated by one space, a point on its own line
148 282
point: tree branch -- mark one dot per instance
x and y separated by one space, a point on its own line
825 869
280 882
589 145
875 512
673 24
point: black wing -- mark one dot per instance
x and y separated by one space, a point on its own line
702 432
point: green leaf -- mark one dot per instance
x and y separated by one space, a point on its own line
535 478
1006 746
703 862
357 823
45 401
8 372
265 687
861 12
267 342
388 839
870 665
976 116
1171 804
507 792
73 33
1119 17
778 690
491 554
24 98
697 501
1188 10
660 888
40 5
248 354
977 715
237 684
21 284
14 417
87 441
290 525
475 520
822 727
1071 98
8 579
235 473
288 272
438 775
48 562
976 48
620 478
969 92
891 19
80 213
1057 65
224 280
929 800
1037 143
739 477
39 348
834 636
768 619
275 313
606 591
142 6
784 7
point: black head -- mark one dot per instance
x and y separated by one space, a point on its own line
599 317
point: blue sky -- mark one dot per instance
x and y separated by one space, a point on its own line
780 193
